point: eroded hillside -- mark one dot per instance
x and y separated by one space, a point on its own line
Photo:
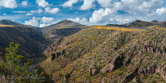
104 54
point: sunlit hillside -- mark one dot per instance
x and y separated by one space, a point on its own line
108 54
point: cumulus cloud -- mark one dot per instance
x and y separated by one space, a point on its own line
123 11
42 3
87 4
105 3
39 22
79 20
69 3
43 25
8 3
142 6
161 11
24 3
53 10
101 15
33 22
47 19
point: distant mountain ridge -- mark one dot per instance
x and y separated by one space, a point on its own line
9 22
63 24
61 29
140 24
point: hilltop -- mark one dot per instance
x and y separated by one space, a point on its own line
9 22
61 29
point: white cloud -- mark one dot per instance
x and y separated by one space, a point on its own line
42 3
37 11
28 14
43 25
161 11
101 15
39 22
87 4
24 3
53 10
79 20
105 3
19 11
47 19
140 6
8 3
33 22
69 3
123 11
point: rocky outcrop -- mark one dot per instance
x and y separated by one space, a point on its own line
93 70
162 70
131 76
117 63
149 70
107 68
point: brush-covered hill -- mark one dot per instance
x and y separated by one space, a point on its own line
61 29
109 55
32 43
9 22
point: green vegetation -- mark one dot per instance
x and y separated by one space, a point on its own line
18 71
109 55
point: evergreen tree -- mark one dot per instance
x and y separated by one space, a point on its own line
16 71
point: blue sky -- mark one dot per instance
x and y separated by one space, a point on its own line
90 12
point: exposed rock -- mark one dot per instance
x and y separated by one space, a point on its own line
66 77
149 70
93 70
53 56
113 66
162 70
131 76
108 68
118 62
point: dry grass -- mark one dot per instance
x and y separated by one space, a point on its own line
117 28
158 27
6 25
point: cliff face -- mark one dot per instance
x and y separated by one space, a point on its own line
108 55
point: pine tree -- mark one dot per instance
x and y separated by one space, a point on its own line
16 71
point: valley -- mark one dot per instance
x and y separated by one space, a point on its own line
91 54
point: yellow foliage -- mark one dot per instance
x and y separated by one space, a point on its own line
6 25
117 28
158 27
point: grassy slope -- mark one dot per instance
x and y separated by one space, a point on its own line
61 29
31 41
115 54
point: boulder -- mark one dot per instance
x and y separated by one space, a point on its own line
108 68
